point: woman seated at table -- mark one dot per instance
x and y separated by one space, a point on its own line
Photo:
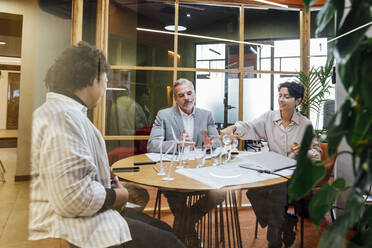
283 130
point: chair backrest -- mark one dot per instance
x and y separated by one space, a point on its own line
329 166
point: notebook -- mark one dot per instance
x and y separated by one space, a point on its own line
267 161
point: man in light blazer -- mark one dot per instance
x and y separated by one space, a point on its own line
198 125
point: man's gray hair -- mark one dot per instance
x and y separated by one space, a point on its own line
183 81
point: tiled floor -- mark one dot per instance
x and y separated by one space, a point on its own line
14 198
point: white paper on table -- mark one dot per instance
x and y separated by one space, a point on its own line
227 175
168 157
156 157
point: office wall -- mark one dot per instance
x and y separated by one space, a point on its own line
43 37
29 11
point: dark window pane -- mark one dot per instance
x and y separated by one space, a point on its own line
212 21
89 21
130 46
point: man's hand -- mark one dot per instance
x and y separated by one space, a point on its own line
207 141
185 136
121 194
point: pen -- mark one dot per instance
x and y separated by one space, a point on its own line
155 169
144 163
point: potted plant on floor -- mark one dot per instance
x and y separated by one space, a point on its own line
352 122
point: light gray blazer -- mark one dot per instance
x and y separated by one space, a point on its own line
171 117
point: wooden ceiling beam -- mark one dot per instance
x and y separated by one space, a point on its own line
290 3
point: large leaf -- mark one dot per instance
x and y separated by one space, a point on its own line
359 15
308 3
325 15
340 125
306 174
334 235
365 69
324 199
362 125
356 71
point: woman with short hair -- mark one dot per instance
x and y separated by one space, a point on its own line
283 130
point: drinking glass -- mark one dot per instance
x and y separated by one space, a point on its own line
200 154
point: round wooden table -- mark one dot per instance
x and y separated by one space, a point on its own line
219 227
148 176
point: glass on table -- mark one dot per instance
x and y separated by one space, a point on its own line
200 155
185 152
216 152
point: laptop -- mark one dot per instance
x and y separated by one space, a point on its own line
271 161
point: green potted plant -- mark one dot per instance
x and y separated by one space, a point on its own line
352 122
317 85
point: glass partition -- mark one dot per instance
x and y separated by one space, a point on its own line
90 21
119 149
207 55
131 46
133 99
211 21
218 92
257 96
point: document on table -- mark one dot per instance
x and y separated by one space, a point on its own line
271 161
168 157
228 175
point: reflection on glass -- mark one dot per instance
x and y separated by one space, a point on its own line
286 48
223 102
13 100
287 64
219 21
257 95
128 46
119 149
133 99
89 21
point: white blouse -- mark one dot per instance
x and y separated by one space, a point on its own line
269 127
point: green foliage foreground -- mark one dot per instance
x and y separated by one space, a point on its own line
353 54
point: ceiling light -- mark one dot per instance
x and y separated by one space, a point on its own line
259 8
2 43
173 28
272 3
202 37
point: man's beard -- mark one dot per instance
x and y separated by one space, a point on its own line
188 105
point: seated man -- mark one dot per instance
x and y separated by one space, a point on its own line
71 194
197 124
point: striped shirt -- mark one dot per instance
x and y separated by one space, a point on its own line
70 172
269 127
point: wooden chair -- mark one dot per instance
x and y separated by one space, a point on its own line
302 205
